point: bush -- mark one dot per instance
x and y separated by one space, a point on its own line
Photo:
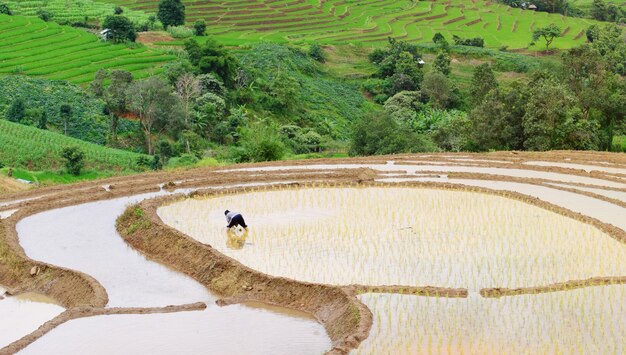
16 112
4 9
44 15
74 159
180 31
199 28
317 53
260 143
472 42
182 161
378 133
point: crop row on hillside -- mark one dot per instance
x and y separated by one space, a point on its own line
31 46
39 149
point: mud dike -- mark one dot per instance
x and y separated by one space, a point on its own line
484 253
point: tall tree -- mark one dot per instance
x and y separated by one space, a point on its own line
122 29
171 13
548 33
155 104
65 112
17 111
483 81
187 90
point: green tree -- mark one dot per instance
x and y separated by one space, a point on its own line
171 13
16 111
483 81
551 116
442 63
155 104
261 142
199 28
118 10
43 120
439 39
378 133
404 106
548 33
317 53
212 57
65 112
44 15
122 29
4 9
437 88
497 120
74 159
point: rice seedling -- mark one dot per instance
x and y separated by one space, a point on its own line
403 236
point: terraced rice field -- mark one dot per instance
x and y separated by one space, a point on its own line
446 253
371 21
31 46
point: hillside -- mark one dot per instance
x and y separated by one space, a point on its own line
370 22
38 149
31 46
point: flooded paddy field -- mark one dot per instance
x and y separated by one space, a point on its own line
402 236
456 253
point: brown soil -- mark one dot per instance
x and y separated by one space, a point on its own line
149 38
560 286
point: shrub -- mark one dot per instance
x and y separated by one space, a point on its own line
199 28
378 133
472 42
4 9
44 15
74 159
180 31
317 53
16 112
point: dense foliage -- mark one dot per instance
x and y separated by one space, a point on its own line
39 95
171 13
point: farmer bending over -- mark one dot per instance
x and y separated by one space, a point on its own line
234 218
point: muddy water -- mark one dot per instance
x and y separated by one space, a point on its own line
402 236
587 168
412 169
229 330
84 238
19 316
618 195
583 321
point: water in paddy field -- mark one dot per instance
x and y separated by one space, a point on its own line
23 314
402 236
235 329
582 321
84 238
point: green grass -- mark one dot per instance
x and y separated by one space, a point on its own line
36 149
54 177
370 22
33 47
